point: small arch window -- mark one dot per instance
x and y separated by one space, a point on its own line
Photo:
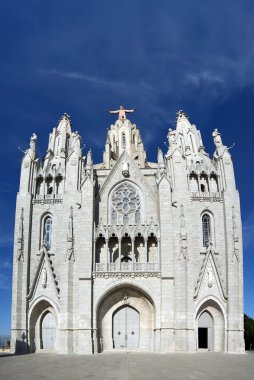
206 229
47 232
123 140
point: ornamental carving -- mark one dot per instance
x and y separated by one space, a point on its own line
125 205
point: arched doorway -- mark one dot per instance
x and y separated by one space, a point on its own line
43 332
205 331
210 327
125 328
127 310
48 332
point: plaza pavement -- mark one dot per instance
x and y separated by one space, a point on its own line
131 366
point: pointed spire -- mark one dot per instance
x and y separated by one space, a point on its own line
65 124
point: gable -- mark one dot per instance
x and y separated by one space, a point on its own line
44 282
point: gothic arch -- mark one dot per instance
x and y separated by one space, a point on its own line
38 309
215 309
112 301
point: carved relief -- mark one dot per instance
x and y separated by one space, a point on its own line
20 241
210 276
70 238
44 278
235 237
182 235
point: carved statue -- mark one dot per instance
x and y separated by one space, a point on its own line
217 138
210 277
171 137
122 112
89 164
125 169
33 141
44 278
76 142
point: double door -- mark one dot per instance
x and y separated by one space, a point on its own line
126 328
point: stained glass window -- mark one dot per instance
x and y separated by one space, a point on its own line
206 226
126 204
47 232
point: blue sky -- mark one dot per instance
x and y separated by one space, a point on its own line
85 57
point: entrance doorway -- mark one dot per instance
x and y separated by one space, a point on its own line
48 332
126 328
205 331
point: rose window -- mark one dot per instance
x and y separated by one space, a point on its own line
125 201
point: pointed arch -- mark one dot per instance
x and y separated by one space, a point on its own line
217 324
38 310
46 230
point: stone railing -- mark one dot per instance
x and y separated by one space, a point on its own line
48 198
127 267
204 197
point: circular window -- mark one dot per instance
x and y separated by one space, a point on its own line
125 199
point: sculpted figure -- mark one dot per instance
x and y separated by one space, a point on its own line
217 138
122 112
44 277
33 141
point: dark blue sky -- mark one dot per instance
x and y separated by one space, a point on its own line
85 57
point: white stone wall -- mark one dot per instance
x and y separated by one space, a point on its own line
169 300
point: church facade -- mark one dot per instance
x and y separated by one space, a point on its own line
127 254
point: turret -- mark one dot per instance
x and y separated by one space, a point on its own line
123 136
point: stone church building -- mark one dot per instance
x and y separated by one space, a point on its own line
127 254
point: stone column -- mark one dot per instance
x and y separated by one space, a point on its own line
132 253
94 255
119 252
108 255
146 253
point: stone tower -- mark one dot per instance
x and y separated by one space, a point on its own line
127 253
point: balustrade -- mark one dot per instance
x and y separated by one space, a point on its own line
127 267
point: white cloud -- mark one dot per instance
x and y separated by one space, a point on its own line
114 84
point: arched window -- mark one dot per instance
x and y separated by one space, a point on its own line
123 140
47 232
206 228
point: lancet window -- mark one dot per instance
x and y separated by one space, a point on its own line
206 227
123 140
47 232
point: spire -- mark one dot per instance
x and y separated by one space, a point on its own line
65 124
123 136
